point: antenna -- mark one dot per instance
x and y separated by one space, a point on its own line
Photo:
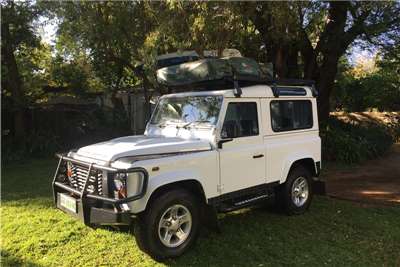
237 90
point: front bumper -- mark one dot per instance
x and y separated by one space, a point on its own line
91 208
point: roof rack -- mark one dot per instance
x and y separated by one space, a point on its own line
290 82
278 90
280 87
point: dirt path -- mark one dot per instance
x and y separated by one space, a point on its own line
374 182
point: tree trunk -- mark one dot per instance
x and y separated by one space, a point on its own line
325 84
147 98
331 47
292 62
14 82
280 63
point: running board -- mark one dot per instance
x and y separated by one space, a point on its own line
250 200
232 205
243 198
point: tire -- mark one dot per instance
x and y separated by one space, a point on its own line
150 228
299 179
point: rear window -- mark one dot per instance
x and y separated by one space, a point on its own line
289 115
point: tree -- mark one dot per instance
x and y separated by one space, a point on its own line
198 25
321 33
33 66
302 39
74 76
369 84
17 34
112 35
111 32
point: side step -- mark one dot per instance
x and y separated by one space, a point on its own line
236 204
243 198
250 200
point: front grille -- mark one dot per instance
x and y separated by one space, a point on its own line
78 178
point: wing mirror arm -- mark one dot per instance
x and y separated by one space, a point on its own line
225 140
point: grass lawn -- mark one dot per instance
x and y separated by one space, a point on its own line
34 233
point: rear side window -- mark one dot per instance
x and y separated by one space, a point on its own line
289 115
241 120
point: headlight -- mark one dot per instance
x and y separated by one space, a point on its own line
120 185
128 183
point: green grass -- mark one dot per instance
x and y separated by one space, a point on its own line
34 233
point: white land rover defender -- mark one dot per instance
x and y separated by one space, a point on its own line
202 151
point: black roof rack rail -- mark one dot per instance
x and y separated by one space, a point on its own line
288 91
290 82
279 86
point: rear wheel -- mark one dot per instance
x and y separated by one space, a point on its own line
169 226
295 194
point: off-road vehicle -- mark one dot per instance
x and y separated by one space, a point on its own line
216 150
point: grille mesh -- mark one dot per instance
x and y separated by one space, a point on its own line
78 179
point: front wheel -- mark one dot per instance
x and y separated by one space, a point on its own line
295 194
169 226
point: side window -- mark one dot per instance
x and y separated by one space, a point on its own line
287 115
241 119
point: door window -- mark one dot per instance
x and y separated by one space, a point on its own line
241 120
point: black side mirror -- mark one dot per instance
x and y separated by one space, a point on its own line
220 142
230 130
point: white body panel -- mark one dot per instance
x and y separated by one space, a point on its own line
141 145
217 170
199 166
238 168
284 148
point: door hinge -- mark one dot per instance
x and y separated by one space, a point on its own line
220 188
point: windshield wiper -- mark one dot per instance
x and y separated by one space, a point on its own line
195 122
166 123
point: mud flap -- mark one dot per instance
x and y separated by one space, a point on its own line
210 218
318 187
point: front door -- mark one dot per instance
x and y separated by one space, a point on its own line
242 160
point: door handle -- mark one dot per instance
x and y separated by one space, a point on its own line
258 156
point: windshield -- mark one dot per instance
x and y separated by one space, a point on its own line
188 110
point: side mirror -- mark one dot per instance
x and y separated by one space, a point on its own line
220 142
230 130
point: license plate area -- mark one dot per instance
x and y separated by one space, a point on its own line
67 202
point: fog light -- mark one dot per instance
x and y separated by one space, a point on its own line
69 169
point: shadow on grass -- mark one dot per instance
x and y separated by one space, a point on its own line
9 260
28 180
331 233
236 245
328 234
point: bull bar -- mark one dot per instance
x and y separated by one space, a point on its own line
87 202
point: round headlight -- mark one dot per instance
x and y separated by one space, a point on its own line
120 181
118 184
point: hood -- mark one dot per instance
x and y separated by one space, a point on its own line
141 145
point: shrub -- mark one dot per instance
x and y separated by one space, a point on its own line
36 144
61 131
350 143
